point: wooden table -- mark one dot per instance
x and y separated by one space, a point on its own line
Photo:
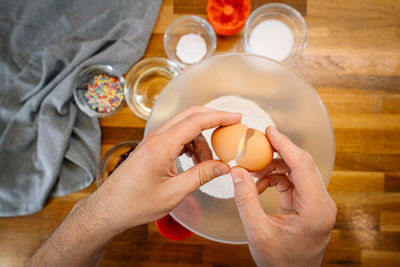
353 60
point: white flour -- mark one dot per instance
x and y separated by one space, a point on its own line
272 38
253 116
191 48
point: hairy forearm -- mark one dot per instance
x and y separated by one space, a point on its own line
79 241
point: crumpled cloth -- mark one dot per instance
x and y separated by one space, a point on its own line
48 147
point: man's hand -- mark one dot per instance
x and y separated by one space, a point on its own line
298 234
144 188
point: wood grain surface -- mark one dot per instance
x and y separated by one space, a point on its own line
353 60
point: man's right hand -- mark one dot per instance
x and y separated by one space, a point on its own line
299 233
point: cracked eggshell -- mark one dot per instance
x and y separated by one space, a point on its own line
258 152
225 140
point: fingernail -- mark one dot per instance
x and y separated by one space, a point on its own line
221 169
237 175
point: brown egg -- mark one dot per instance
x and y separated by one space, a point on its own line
250 148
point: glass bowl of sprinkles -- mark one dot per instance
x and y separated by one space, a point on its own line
99 91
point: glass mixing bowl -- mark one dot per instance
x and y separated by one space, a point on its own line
294 105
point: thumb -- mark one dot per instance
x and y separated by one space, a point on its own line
200 174
246 196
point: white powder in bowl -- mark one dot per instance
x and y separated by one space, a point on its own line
272 38
253 116
191 48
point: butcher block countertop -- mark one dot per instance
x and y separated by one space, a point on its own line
353 60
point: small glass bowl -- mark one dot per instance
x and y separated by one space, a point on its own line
284 13
145 81
80 87
112 158
185 25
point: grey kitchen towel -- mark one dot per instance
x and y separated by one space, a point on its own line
48 147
